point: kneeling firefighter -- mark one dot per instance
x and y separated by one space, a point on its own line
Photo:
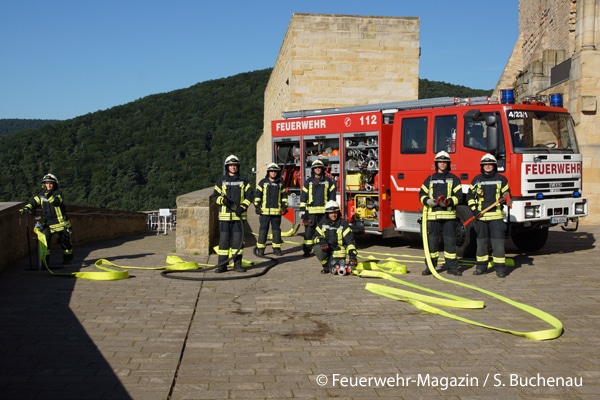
233 195
334 241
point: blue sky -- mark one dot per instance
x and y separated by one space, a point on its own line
60 59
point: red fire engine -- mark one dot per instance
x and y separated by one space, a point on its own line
380 154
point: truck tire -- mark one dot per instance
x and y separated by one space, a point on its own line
466 237
529 239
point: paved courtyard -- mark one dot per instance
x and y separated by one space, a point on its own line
294 333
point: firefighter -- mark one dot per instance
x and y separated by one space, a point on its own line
54 216
233 195
441 192
271 203
317 190
334 240
488 188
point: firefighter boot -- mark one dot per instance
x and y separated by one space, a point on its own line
500 270
426 271
67 258
277 243
480 269
260 242
452 266
237 264
325 266
306 250
221 265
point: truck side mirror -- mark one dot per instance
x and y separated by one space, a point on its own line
491 133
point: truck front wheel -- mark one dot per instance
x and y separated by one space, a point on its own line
529 239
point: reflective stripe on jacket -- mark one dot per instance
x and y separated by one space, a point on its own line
441 184
270 196
237 189
315 193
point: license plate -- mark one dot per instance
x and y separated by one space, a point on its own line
558 220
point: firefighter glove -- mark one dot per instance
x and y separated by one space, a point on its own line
258 210
25 210
477 214
284 210
502 200
324 245
353 258
228 202
440 199
430 202
239 211
305 219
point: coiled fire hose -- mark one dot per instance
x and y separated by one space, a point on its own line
423 302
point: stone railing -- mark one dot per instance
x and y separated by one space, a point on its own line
89 225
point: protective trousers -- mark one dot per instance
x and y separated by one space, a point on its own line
230 239
447 227
309 232
275 222
64 240
322 256
491 231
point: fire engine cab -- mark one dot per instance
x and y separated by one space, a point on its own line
380 154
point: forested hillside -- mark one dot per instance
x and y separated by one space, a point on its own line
9 126
142 155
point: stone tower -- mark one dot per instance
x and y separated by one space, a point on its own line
340 60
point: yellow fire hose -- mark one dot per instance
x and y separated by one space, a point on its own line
365 269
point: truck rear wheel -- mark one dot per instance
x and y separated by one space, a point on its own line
466 237
529 239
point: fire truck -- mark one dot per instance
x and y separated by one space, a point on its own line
380 154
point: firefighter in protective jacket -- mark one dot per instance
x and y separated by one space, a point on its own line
442 192
317 190
271 203
334 240
488 188
54 216
233 195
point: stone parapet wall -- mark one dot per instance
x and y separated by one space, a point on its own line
89 225
197 223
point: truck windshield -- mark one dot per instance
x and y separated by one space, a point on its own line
539 131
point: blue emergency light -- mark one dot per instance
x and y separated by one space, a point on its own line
507 96
556 100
